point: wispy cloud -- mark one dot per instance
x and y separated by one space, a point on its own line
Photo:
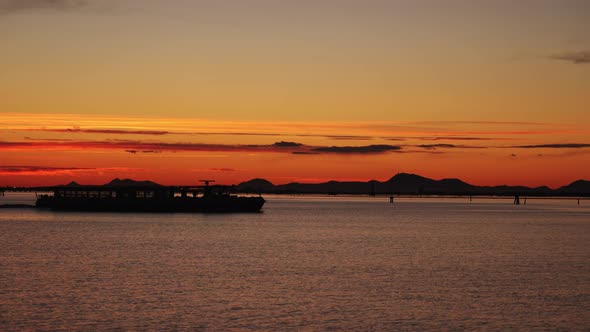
304 152
151 147
554 146
103 131
135 147
13 6
144 151
369 149
231 133
36 169
283 144
448 146
72 124
492 123
47 139
582 57
343 137
106 131
435 146
461 138
478 135
131 146
349 137
127 131
223 169
48 170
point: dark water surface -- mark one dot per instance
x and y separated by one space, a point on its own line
303 264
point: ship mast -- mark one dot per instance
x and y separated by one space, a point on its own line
207 182
207 190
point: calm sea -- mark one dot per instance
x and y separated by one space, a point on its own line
305 263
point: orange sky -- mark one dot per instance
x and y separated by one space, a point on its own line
176 91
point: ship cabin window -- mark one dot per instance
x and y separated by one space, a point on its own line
144 194
105 194
93 194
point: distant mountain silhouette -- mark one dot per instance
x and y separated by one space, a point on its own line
576 188
131 183
402 183
409 184
415 184
257 186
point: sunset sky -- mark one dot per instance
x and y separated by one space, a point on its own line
492 92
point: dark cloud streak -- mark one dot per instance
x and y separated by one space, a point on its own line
135 147
77 130
13 170
144 151
458 138
38 169
554 146
283 144
369 149
448 146
435 146
48 139
223 169
582 57
15 6
304 152
105 131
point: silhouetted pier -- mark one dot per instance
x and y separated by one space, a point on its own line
516 199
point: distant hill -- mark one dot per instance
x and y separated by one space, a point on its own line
409 184
131 183
256 186
402 183
415 184
579 187
118 183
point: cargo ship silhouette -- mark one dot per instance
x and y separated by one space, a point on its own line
147 196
